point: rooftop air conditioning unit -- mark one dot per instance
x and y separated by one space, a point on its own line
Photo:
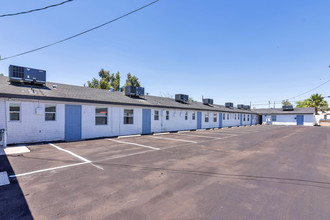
247 107
208 101
134 91
26 75
240 106
287 108
229 105
181 98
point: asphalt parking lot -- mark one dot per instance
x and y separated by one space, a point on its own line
254 172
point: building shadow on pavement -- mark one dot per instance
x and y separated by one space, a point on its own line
13 202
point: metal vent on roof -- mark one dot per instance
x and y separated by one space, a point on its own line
181 98
134 91
229 105
208 101
21 74
240 106
287 108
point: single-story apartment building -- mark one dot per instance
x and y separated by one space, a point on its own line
55 112
291 116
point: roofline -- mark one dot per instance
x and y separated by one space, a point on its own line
49 98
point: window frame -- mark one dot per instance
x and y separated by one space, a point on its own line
227 116
215 117
224 116
167 115
206 117
101 116
243 117
274 117
186 116
156 115
128 116
51 105
193 116
16 104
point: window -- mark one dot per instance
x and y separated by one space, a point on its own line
238 116
235 116
273 117
14 111
50 112
186 116
248 118
193 116
206 117
101 116
228 116
215 117
243 117
128 116
156 115
224 116
167 115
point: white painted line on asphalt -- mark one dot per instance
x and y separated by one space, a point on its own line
140 145
183 131
129 136
162 133
75 155
49 169
69 152
192 135
174 139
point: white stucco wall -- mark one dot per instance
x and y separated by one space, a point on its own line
309 120
32 126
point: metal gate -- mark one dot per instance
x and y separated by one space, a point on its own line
72 122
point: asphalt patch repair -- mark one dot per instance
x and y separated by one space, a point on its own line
254 172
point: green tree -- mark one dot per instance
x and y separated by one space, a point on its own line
132 80
1 74
286 102
106 82
316 100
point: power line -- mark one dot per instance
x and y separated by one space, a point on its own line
81 33
310 90
33 10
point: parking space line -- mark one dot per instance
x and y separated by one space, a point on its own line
192 135
49 169
75 155
140 145
174 139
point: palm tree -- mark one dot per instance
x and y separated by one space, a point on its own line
317 101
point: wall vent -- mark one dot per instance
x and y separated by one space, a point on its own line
21 74
134 91
181 98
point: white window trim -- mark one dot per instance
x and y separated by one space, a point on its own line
50 105
20 112
102 116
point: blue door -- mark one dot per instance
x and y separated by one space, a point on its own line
220 120
72 122
146 121
240 120
199 120
300 120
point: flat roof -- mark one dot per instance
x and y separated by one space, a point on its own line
279 111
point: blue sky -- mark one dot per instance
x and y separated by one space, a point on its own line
239 51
